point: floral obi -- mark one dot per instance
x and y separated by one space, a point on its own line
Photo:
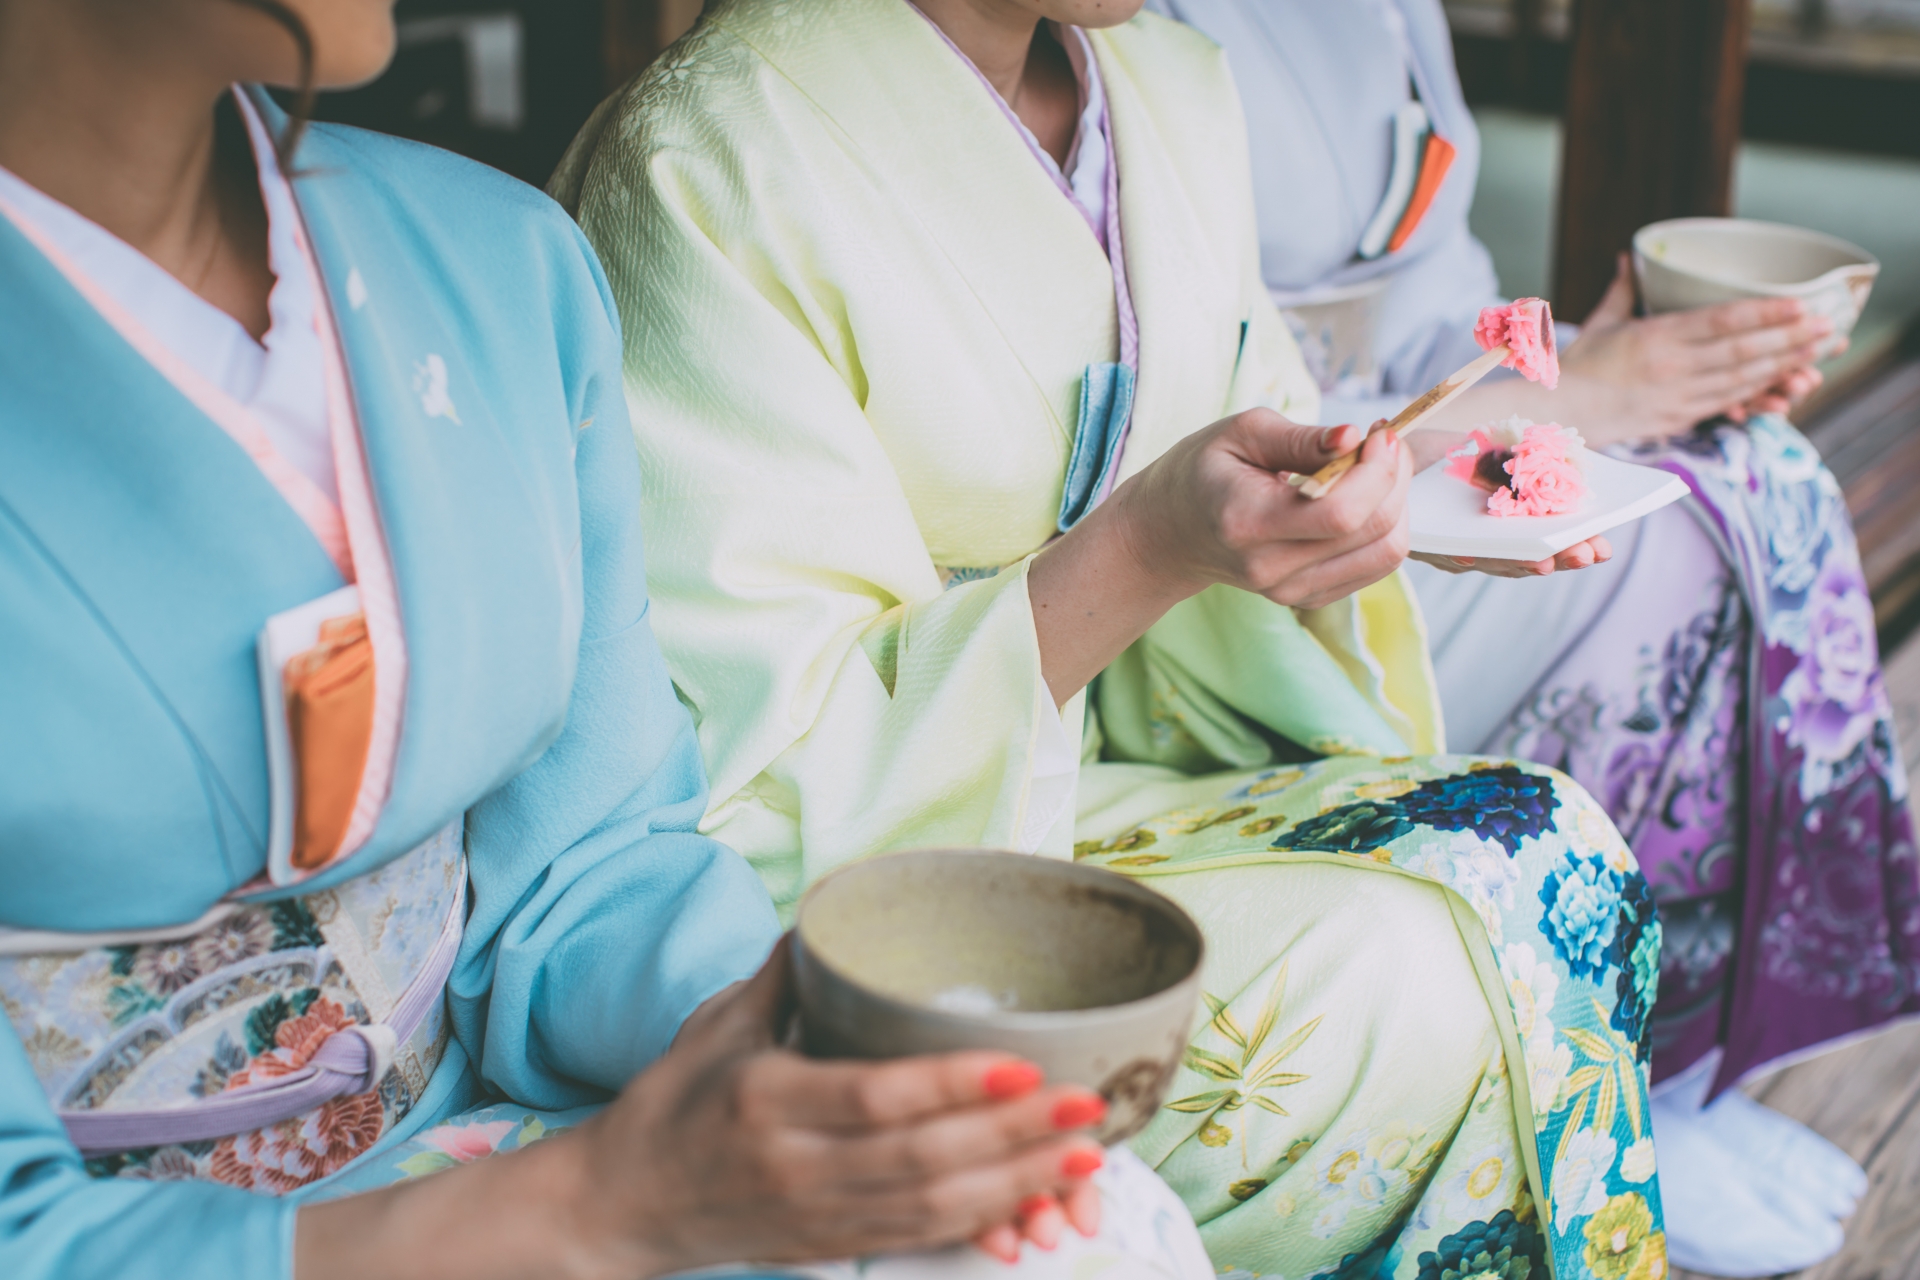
263 1045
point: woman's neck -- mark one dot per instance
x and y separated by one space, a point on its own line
90 117
1022 61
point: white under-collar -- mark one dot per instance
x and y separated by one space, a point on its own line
281 378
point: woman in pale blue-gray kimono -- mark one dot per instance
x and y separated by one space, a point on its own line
347 814
1716 686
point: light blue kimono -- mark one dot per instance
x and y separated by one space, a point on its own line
140 552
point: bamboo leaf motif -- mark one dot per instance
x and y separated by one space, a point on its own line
1226 1025
1288 1045
1200 1101
1248 1085
1630 1093
1269 1015
1583 1078
1603 1103
1590 1044
1212 1064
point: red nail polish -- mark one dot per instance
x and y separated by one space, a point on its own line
1036 1204
1012 1080
1077 1112
1081 1164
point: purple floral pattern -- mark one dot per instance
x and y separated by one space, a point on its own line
1746 749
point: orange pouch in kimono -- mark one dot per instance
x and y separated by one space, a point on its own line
329 692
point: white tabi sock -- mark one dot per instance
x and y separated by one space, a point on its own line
1726 1214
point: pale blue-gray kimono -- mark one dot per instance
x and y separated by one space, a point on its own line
140 552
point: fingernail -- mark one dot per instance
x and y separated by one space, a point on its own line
1036 1204
1002 1243
1331 434
1012 1080
1081 1164
1044 1228
1079 1111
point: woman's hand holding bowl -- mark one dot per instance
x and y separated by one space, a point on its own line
734 1147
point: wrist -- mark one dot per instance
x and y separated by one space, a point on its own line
599 1239
1139 563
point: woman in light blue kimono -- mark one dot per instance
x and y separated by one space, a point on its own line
1716 685
356 403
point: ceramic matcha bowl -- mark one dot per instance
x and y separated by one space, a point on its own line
1696 262
1079 970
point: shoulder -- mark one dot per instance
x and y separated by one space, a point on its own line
1180 74
470 226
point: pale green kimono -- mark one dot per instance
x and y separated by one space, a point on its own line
858 314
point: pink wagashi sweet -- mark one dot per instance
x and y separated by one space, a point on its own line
1526 468
1547 474
1525 328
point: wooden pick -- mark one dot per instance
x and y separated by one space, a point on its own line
1409 419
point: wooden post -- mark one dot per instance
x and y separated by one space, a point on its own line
637 30
1653 117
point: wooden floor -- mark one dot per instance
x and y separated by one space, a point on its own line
1866 1098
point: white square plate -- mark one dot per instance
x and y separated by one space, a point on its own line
1449 517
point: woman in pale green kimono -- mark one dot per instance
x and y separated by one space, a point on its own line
908 293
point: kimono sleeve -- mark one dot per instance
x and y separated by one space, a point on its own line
846 703
57 1223
601 917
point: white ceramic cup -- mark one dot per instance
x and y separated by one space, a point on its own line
1685 263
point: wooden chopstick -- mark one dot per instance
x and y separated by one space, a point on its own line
1409 419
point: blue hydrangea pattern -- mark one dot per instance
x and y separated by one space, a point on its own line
1503 1248
1637 953
1582 896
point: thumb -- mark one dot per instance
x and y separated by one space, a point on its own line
1273 443
756 1012
1616 307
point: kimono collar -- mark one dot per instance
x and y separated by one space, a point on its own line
1083 179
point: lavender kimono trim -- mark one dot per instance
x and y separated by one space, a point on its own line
351 1060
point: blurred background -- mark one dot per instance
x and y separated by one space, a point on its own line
1598 116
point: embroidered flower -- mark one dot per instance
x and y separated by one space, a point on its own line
1501 1248
1834 697
1503 804
1580 1176
1621 1241
465 1142
1638 1164
240 936
167 1164
296 1040
1637 952
1532 986
165 967
1383 1259
287 1156
1349 828
1478 870
1582 896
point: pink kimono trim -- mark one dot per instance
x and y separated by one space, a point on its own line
350 533
313 507
379 595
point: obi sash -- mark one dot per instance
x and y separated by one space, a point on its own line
263 1045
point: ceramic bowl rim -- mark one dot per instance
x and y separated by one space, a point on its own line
1033 1020
1866 259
